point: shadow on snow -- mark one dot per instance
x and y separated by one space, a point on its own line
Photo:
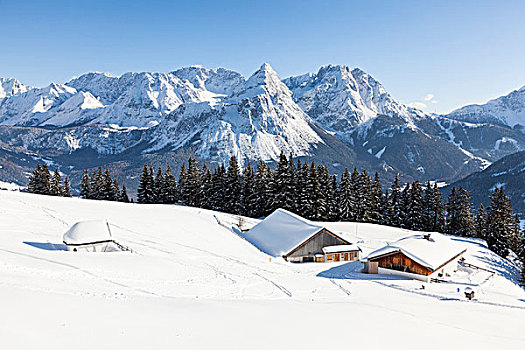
352 271
47 245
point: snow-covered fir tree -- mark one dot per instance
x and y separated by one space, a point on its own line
85 185
481 222
159 188
414 220
145 191
170 185
502 227
55 185
259 201
124 195
460 217
233 185
66 188
248 192
375 201
345 205
218 188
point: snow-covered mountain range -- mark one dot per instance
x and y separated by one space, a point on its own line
338 116
507 110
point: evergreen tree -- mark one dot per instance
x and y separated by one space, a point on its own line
363 194
183 179
355 194
85 185
281 184
502 228
269 196
248 192
170 185
107 189
116 191
218 188
290 185
191 189
322 202
313 191
438 216
124 195
97 184
45 180
375 200
259 202
301 188
55 185
66 189
481 222
393 205
460 219
159 188
332 200
205 187
37 181
345 205
415 208
145 193
404 206
232 195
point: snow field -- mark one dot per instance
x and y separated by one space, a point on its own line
193 283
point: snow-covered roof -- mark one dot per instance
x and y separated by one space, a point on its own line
340 248
85 232
431 253
281 232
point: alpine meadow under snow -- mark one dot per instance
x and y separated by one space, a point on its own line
191 281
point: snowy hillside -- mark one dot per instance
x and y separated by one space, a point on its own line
507 110
193 283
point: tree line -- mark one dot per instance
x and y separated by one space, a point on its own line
100 185
311 191
42 182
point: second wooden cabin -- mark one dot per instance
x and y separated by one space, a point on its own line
421 256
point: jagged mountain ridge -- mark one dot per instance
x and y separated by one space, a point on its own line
506 110
337 116
507 173
340 98
10 87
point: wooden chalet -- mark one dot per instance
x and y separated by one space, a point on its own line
420 257
296 239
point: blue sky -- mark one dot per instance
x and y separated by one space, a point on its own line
459 52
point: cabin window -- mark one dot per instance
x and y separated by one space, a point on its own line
396 260
329 257
409 262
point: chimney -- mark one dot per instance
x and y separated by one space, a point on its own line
427 236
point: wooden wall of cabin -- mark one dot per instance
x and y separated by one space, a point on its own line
316 243
401 262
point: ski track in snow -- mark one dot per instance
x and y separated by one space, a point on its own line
346 291
275 284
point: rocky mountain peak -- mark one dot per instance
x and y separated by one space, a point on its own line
10 87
